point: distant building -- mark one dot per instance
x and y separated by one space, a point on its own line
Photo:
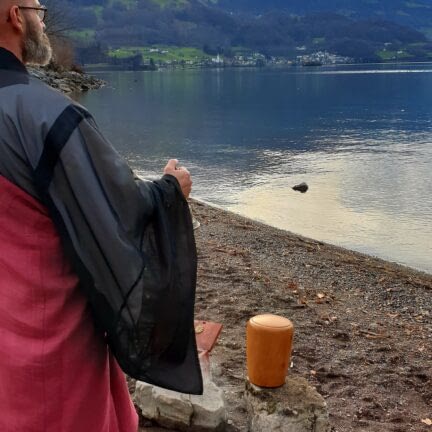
217 60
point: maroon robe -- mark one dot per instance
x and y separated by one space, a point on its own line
47 335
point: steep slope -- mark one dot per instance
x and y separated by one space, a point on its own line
206 24
414 13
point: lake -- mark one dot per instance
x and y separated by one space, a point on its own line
359 136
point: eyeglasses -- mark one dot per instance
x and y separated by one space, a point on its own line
41 11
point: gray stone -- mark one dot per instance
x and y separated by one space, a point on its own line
209 409
64 87
167 408
170 409
294 407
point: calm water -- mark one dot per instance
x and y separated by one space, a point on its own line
361 137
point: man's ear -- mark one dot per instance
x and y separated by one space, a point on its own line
16 19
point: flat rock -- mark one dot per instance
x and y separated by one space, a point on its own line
294 407
182 412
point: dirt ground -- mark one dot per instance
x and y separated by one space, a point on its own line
363 326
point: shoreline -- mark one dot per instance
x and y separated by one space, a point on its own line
67 82
363 326
89 68
320 242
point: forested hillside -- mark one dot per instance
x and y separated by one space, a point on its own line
417 14
287 27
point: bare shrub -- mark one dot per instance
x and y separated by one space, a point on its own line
63 54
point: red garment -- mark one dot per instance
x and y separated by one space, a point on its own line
56 373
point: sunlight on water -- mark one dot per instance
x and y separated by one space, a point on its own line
337 211
360 136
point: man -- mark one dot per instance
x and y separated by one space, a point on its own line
90 258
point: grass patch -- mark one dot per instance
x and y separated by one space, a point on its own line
161 53
171 3
386 55
129 4
318 40
82 36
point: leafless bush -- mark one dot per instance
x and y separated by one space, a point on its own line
63 54
59 22
60 19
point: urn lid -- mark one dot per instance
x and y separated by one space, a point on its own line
272 321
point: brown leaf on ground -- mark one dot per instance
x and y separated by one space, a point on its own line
292 286
373 335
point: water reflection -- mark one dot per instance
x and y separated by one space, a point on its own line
346 206
361 140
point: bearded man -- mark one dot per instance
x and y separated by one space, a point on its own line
97 268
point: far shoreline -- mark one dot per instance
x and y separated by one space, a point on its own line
91 68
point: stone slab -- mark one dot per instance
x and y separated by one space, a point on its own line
294 407
206 413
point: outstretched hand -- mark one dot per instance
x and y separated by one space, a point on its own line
181 174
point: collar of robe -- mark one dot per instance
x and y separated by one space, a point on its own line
8 61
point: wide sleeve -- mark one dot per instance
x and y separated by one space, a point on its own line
132 245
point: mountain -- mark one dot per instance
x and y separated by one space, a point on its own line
413 13
270 27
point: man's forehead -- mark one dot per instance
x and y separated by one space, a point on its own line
7 3
35 3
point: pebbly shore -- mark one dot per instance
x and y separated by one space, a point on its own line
363 326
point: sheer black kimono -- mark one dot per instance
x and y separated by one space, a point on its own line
130 241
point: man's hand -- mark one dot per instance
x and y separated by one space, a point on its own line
181 174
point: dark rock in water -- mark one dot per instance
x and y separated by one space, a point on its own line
302 187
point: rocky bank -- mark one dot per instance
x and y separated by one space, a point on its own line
66 81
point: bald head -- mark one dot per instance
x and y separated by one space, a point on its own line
5 5
22 31
11 27
9 3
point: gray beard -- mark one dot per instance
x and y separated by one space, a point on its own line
37 48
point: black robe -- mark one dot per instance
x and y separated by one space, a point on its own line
130 241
